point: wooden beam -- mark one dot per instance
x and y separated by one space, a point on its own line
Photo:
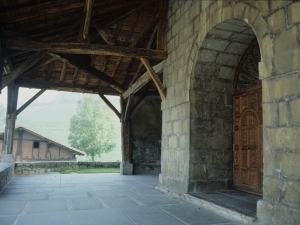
87 20
83 62
75 76
135 9
81 48
63 72
155 78
128 70
127 110
32 60
125 137
143 80
43 84
40 65
161 25
49 71
133 24
116 66
12 100
29 15
24 106
141 64
103 34
111 106
144 32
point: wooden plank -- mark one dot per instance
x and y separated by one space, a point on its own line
82 48
49 71
143 80
40 65
22 68
135 9
83 63
144 32
87 20
128 70
13 19
127 110
133 24
161 25
103 34
63 72
108 103
24 106
75 76
155 78
116 66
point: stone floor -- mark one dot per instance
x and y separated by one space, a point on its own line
88 199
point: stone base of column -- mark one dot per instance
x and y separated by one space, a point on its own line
126 168
8 158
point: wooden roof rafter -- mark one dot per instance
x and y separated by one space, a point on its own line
115 35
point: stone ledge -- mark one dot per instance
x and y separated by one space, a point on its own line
6 174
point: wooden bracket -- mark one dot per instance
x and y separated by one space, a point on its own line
155 78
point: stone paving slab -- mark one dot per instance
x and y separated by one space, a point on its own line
88 199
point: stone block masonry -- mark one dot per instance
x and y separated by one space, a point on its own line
205 40
6 174
27 168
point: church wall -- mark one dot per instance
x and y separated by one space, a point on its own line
276 25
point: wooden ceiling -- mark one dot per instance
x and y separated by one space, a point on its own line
100 46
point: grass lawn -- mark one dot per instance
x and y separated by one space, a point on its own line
90 170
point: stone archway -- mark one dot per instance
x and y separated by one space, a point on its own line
211 105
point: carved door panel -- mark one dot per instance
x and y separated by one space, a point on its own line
247 126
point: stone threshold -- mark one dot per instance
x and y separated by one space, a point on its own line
220 209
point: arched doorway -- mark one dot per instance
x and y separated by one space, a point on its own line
247 123
211 98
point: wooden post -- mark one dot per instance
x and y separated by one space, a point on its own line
126 168
12 100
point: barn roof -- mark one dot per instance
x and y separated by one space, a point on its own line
78 152
92 46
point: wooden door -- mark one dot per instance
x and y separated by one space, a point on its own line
247 126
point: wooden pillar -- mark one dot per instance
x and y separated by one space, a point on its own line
12 100
126 168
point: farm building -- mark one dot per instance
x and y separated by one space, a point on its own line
30 146
222 76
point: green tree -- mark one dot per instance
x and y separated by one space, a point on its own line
92 128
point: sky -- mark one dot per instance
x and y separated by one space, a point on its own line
48 96
25 94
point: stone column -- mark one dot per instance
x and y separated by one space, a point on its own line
12 100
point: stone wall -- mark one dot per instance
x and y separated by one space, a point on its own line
145 136
6 174
27 168
198 75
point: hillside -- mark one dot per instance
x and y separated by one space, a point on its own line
52 119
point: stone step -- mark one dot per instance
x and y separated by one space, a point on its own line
225 210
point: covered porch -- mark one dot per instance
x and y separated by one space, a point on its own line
55 198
